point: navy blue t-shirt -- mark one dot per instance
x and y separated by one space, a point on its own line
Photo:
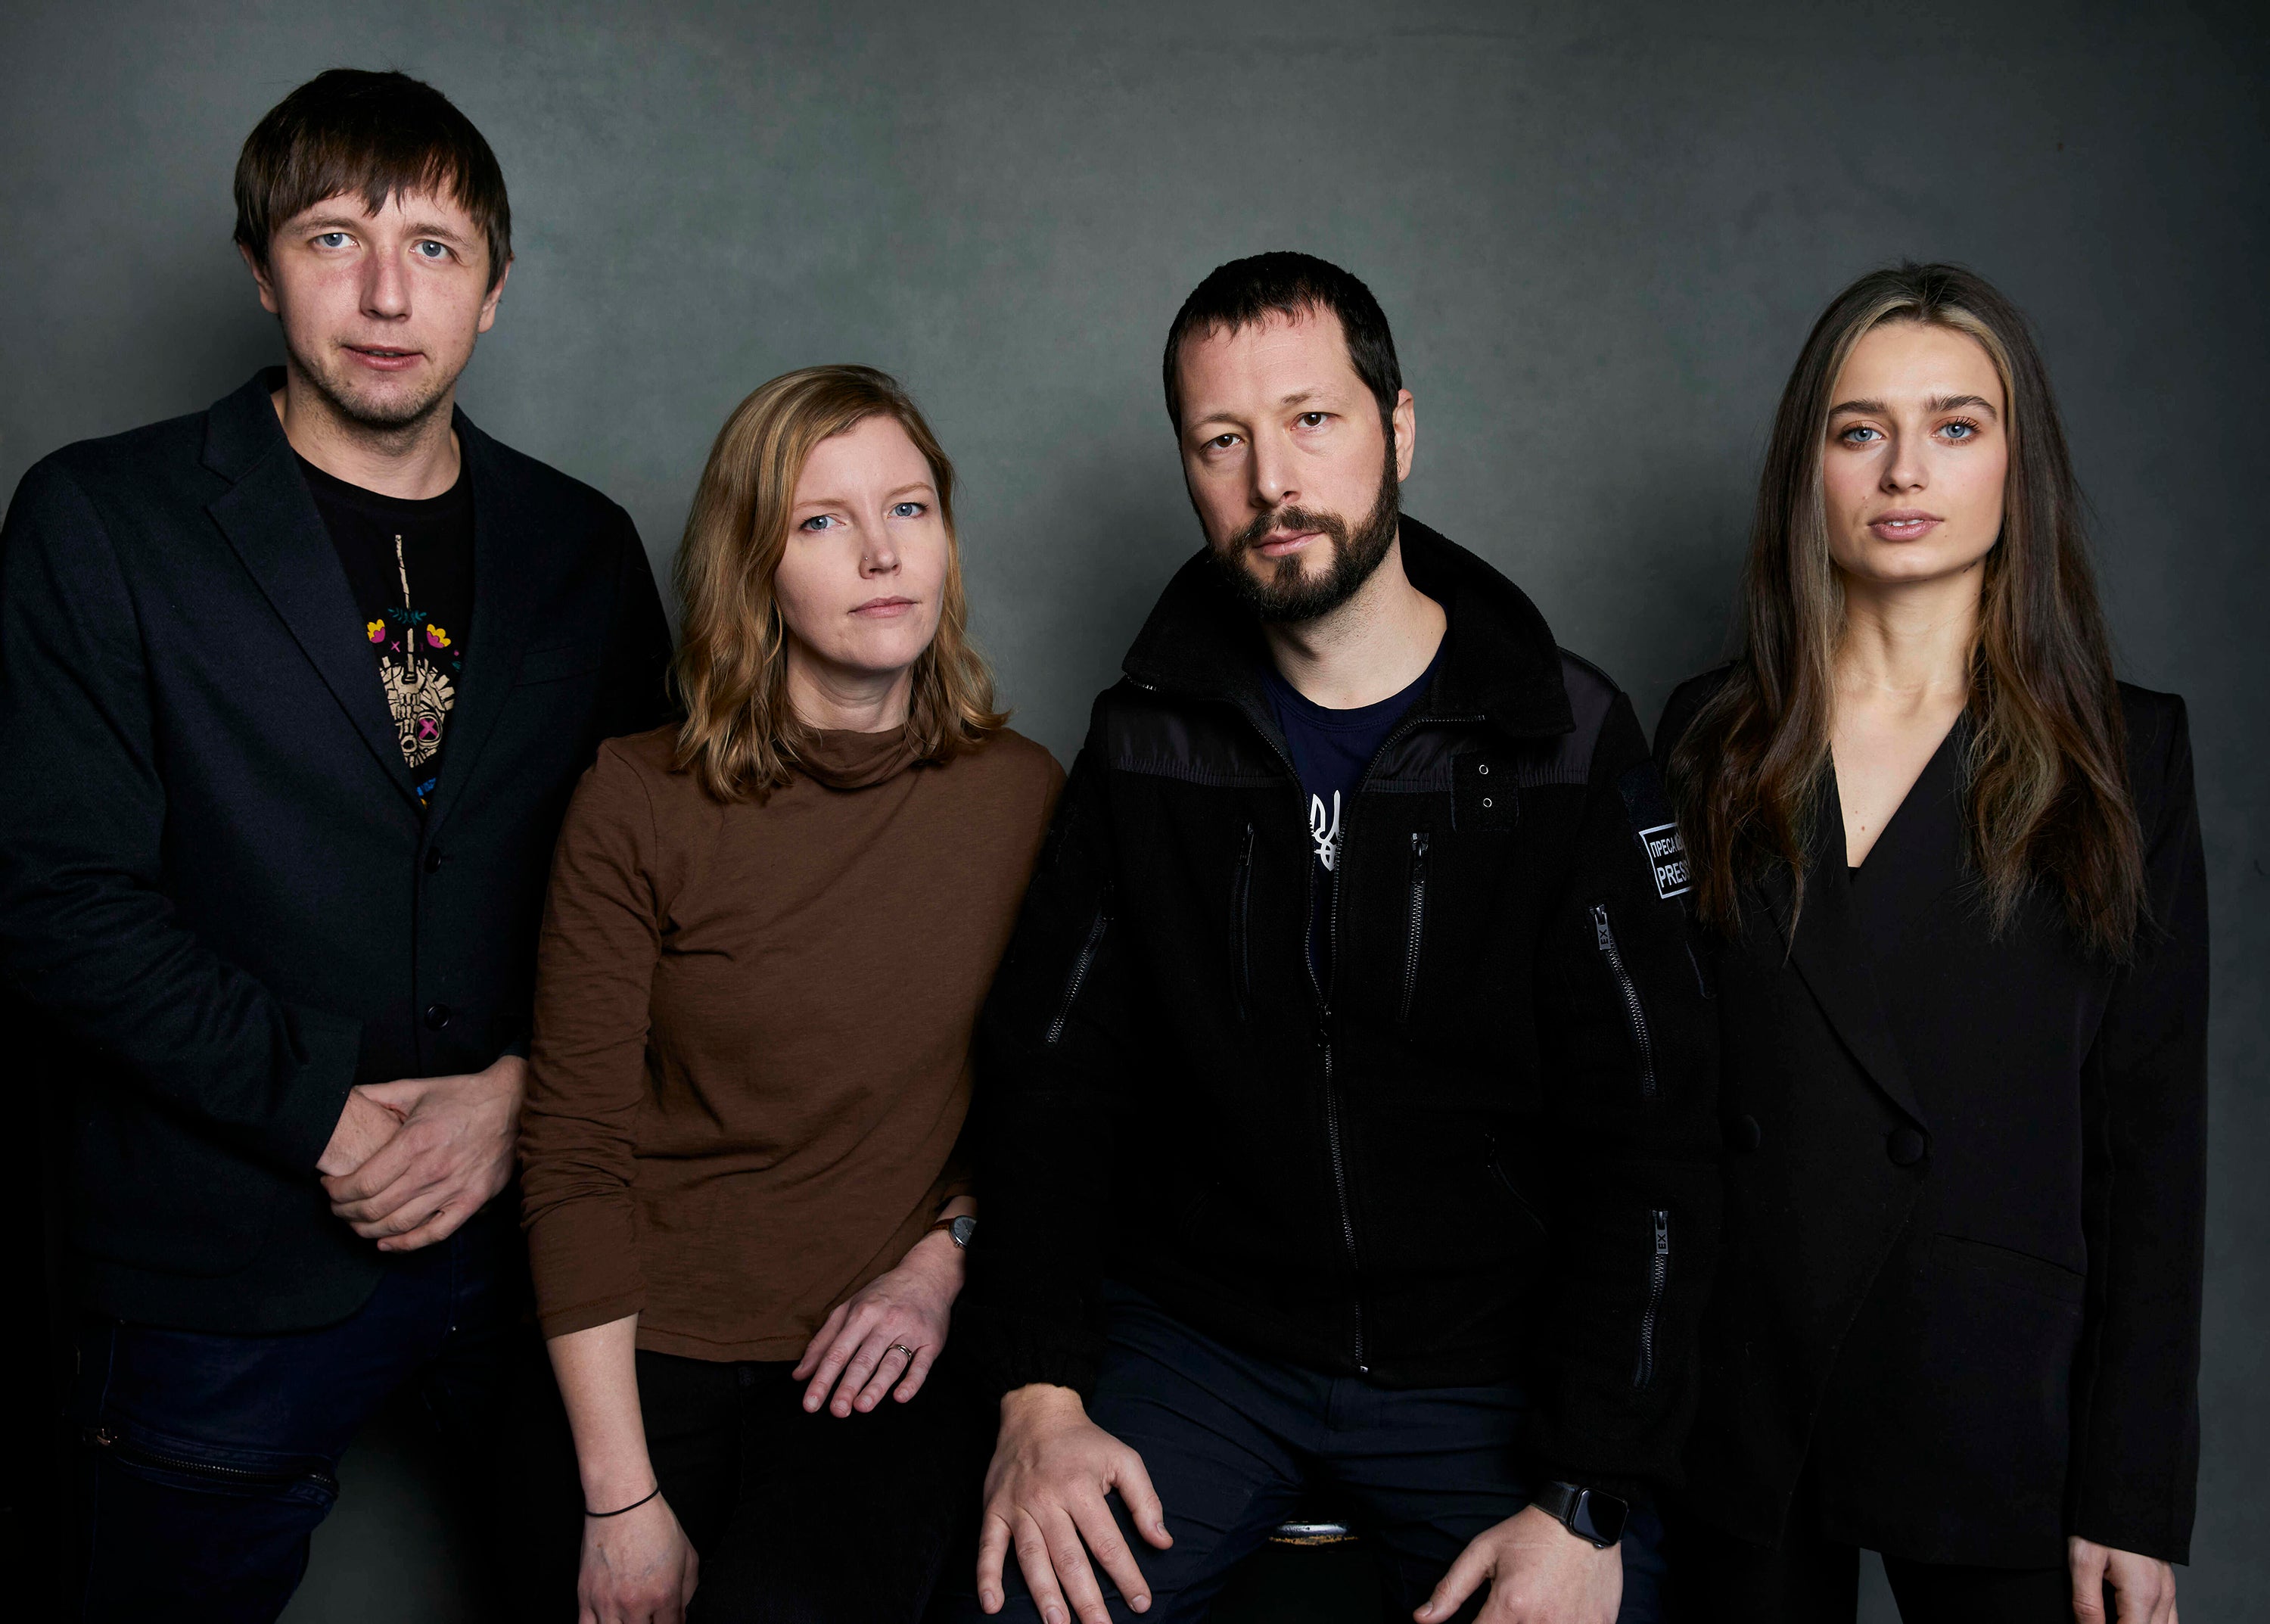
1330 749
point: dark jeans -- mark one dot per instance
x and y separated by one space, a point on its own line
1235 1444
208 1460
1811 1579
800 1518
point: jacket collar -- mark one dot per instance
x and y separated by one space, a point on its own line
1499 660
271 521
1832 953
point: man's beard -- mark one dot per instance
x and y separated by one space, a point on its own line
395 416
1287 593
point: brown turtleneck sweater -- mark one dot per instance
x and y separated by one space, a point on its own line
751 1052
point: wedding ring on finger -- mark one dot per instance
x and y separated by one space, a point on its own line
901 1347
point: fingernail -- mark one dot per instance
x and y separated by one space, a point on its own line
1054 1616
1141 1604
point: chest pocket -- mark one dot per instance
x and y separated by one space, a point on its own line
1482 796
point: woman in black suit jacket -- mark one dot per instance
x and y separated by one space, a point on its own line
1955 874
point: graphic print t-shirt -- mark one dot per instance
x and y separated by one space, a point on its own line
1330 749
410 564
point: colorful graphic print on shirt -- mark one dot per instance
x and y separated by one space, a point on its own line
420 684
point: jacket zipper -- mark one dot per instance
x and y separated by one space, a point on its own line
103 1438
1659 1275
1606 940
1333 1110
1240 906
1079 964
1418 923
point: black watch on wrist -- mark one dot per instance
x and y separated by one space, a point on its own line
1586 1513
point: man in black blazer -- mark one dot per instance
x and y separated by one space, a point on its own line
293 694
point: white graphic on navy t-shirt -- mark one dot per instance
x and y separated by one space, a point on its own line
1325 832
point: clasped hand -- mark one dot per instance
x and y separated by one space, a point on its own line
411 1161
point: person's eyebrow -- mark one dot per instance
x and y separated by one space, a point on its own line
916 485
1962 403
428 229
1873 408
1297 397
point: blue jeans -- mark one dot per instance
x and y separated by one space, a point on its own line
208 1460
1235 1444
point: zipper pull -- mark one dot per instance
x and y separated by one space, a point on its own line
1600 937
1662 1233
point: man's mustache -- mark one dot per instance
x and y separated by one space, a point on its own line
1290 519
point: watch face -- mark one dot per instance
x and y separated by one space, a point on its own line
964 1228
1599 1518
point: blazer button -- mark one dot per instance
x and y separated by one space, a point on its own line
1905 1147
1744 1134
432 860
437 1016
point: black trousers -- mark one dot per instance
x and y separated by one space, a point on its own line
1813 1579
801 1518
1235 1443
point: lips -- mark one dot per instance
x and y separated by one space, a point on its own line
382 358
1903 524
883 608
1278 544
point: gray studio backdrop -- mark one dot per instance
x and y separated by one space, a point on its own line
1600 233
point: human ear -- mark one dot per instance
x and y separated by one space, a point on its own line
261 278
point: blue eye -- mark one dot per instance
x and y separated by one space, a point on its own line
1853 435
440 250
818 522
332 240
1960 430
907 510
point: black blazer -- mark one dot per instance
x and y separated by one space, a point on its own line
215 878
1965 1195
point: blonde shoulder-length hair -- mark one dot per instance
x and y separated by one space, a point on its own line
741 738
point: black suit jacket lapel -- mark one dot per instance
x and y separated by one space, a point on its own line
1830 953
507 562
271 522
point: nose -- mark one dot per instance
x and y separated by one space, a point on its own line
877 556
1903 464
1275 479
385 288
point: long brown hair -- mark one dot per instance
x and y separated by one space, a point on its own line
2045 781
741 738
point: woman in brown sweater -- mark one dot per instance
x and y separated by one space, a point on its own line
768 933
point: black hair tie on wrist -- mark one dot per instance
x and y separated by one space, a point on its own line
633 1505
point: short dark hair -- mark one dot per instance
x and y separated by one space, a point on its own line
349 130
1251 290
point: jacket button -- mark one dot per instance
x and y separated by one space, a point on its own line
1483 768
432 860
1904 1145
437 1016
1744 1134
1488 802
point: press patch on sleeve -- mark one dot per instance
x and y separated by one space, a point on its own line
1656 830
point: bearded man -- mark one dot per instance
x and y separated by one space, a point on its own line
1347 1097
293 695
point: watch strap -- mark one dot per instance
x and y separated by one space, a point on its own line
1596 1518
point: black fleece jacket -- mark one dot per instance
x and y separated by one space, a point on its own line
1486 1150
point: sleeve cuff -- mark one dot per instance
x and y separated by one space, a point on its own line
1009 1351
